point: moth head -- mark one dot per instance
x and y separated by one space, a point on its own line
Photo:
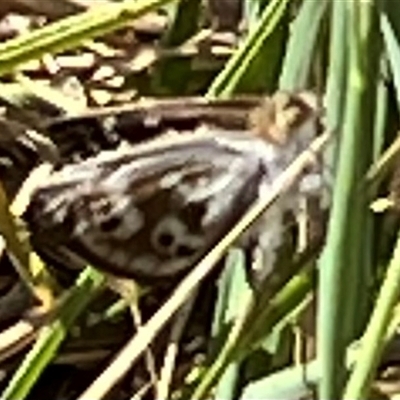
281 116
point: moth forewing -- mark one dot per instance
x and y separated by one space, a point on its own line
153 209
150 214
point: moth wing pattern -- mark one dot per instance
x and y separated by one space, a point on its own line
149 212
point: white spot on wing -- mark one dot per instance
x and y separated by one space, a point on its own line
132 221
145 264
148 264
170 180
119 257
169 225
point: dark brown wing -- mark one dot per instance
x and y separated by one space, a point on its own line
83 135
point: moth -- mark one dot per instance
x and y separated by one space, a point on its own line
151 210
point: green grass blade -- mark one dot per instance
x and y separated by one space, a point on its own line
301 45
373 341
72 31
227 81
17 250
245 335
171 76
343 265
233 289
52 335
393 51
336 81
375 336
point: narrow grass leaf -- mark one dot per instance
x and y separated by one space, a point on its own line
72 31
241 342
171 76
233 290
52 335
373 340
227 81
393 52
301 46
342 295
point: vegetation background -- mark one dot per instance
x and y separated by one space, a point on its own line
62 58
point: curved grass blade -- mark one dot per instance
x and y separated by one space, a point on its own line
374 338
19 252
51 335
72 31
